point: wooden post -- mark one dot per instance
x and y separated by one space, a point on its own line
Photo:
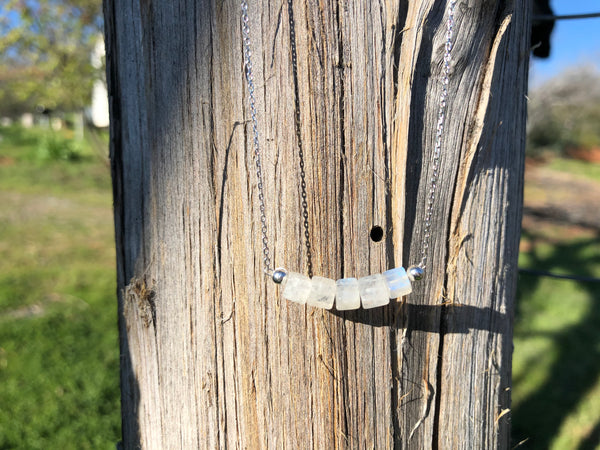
212 357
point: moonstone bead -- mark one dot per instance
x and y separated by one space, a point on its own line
296 287
347 296
398 282
374 291
322 293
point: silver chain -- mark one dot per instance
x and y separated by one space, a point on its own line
257 159
437 149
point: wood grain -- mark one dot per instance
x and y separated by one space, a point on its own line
211 356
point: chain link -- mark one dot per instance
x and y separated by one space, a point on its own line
298 126
437 149
256 142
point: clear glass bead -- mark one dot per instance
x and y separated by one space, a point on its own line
347 296
322 293
398 282
296 287
373 291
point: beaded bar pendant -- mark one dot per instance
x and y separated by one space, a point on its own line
347 293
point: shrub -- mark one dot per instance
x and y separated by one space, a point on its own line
56 147
564 113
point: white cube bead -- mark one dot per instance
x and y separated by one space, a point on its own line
347 296
398 282
296 287
322 293
374 291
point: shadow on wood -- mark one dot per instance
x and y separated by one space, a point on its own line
458 318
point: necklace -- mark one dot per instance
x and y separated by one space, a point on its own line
347 293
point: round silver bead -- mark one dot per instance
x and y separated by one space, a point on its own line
415 273
278 275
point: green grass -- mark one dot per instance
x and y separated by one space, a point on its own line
576 167
26 168
556 362
59 354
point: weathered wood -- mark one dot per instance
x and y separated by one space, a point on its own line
211 356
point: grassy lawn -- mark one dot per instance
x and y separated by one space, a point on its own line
556 362
575 167
58 320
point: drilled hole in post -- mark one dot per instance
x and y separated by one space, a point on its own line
376 233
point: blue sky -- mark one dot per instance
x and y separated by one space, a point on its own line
574 42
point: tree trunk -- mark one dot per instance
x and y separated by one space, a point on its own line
212 357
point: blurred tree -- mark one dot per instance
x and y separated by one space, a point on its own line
45 54
564 113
